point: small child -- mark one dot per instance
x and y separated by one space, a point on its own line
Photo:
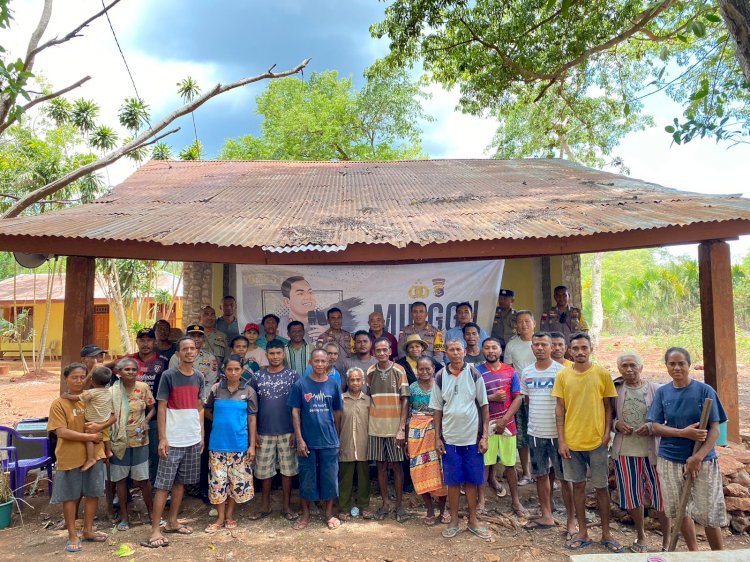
99 409
254 353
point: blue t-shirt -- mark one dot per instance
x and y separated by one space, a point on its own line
317 401
679 408
274 416
334 374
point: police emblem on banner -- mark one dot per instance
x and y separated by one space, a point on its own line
438 287
419 291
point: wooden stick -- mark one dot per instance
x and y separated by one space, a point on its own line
687 487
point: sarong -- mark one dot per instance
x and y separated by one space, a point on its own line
424 460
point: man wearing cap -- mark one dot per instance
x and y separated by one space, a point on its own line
227 323
270 325
205 363
563 317
504 325
92 356
336 334
255 353
419 325
464 315
377 330
414 348
216 341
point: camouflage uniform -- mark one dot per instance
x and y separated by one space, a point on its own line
216 344
504 325
432 336
568 322
344 340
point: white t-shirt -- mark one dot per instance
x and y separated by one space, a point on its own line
518 354
458 401
537 385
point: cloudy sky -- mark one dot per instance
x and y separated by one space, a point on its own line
224 40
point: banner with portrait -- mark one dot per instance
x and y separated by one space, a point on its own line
306 292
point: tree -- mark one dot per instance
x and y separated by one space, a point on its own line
326 118
17 97
697 52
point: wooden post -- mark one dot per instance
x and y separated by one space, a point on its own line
717 320
78 316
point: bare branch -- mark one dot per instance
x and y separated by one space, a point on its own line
36 36
44 98
139 141
43 202
157 139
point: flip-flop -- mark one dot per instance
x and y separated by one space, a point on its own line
155 543
382 513
258 515
429 521
99 536
300 524
501 492
73 546
368 515
123 526
212 528
288 515
525 481
523 512
582 543
534 524
230 524
638 548
450 532
181 530
480 532
402 516
445 518
333 523
343 516
613 546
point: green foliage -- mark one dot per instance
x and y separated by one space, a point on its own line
139 154
161 151
84 114
103 138
133 114
192 152
532 50
188 89
326 118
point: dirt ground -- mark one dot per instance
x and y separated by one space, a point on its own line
273 539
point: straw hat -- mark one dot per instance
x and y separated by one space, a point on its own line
415 338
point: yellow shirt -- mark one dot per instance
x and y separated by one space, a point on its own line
69 414
583 394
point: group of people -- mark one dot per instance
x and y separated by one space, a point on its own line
444 413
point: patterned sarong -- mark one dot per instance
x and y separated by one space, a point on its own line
424 461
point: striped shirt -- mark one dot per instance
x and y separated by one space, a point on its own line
537 385
386 388
182 394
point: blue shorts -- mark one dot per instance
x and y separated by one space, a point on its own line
319 475
463 464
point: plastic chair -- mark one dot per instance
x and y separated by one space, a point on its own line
19 468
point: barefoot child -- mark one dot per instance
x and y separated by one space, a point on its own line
99 409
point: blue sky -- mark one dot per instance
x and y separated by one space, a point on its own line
224 40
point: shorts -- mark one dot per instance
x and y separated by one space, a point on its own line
230 476
319 475
71 484
182 466
134 463
544 455
522 424
463 464
574 468
635 476
275 450
384 449
706 505
502 448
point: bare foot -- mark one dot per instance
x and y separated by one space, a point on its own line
88 464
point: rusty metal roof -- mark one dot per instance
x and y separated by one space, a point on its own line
282 207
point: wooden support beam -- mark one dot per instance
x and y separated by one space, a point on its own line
78 316
717 320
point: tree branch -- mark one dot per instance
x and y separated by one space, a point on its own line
137 142
40 99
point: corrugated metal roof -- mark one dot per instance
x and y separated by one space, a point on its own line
325 206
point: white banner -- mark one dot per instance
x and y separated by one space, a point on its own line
304 293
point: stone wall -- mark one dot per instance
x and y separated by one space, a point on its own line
198 285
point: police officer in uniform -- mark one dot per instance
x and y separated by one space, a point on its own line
336 334
562 317
432 336
504 324
216 341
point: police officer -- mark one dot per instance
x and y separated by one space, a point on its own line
216 341
336 334
432 336
504 324
562 317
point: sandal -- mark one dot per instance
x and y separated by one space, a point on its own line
638 548
382 513
613 546
288 515
73 546
445 518
402 516
333 523
450 532
522 512
367 514
99 536
300 524
230 524
155 543
582 543
525 481
123 526
181 530
429 520
343 516
534 524
258 515
480 532
213 527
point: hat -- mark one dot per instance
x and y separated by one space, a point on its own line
415 337
91 350
507 293
146 333
251 326
195 328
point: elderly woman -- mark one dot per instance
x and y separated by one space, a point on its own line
134 409
674 415
424 461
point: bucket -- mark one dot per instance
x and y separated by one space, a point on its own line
721 441
5 512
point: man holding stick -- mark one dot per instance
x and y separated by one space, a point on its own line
675 414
